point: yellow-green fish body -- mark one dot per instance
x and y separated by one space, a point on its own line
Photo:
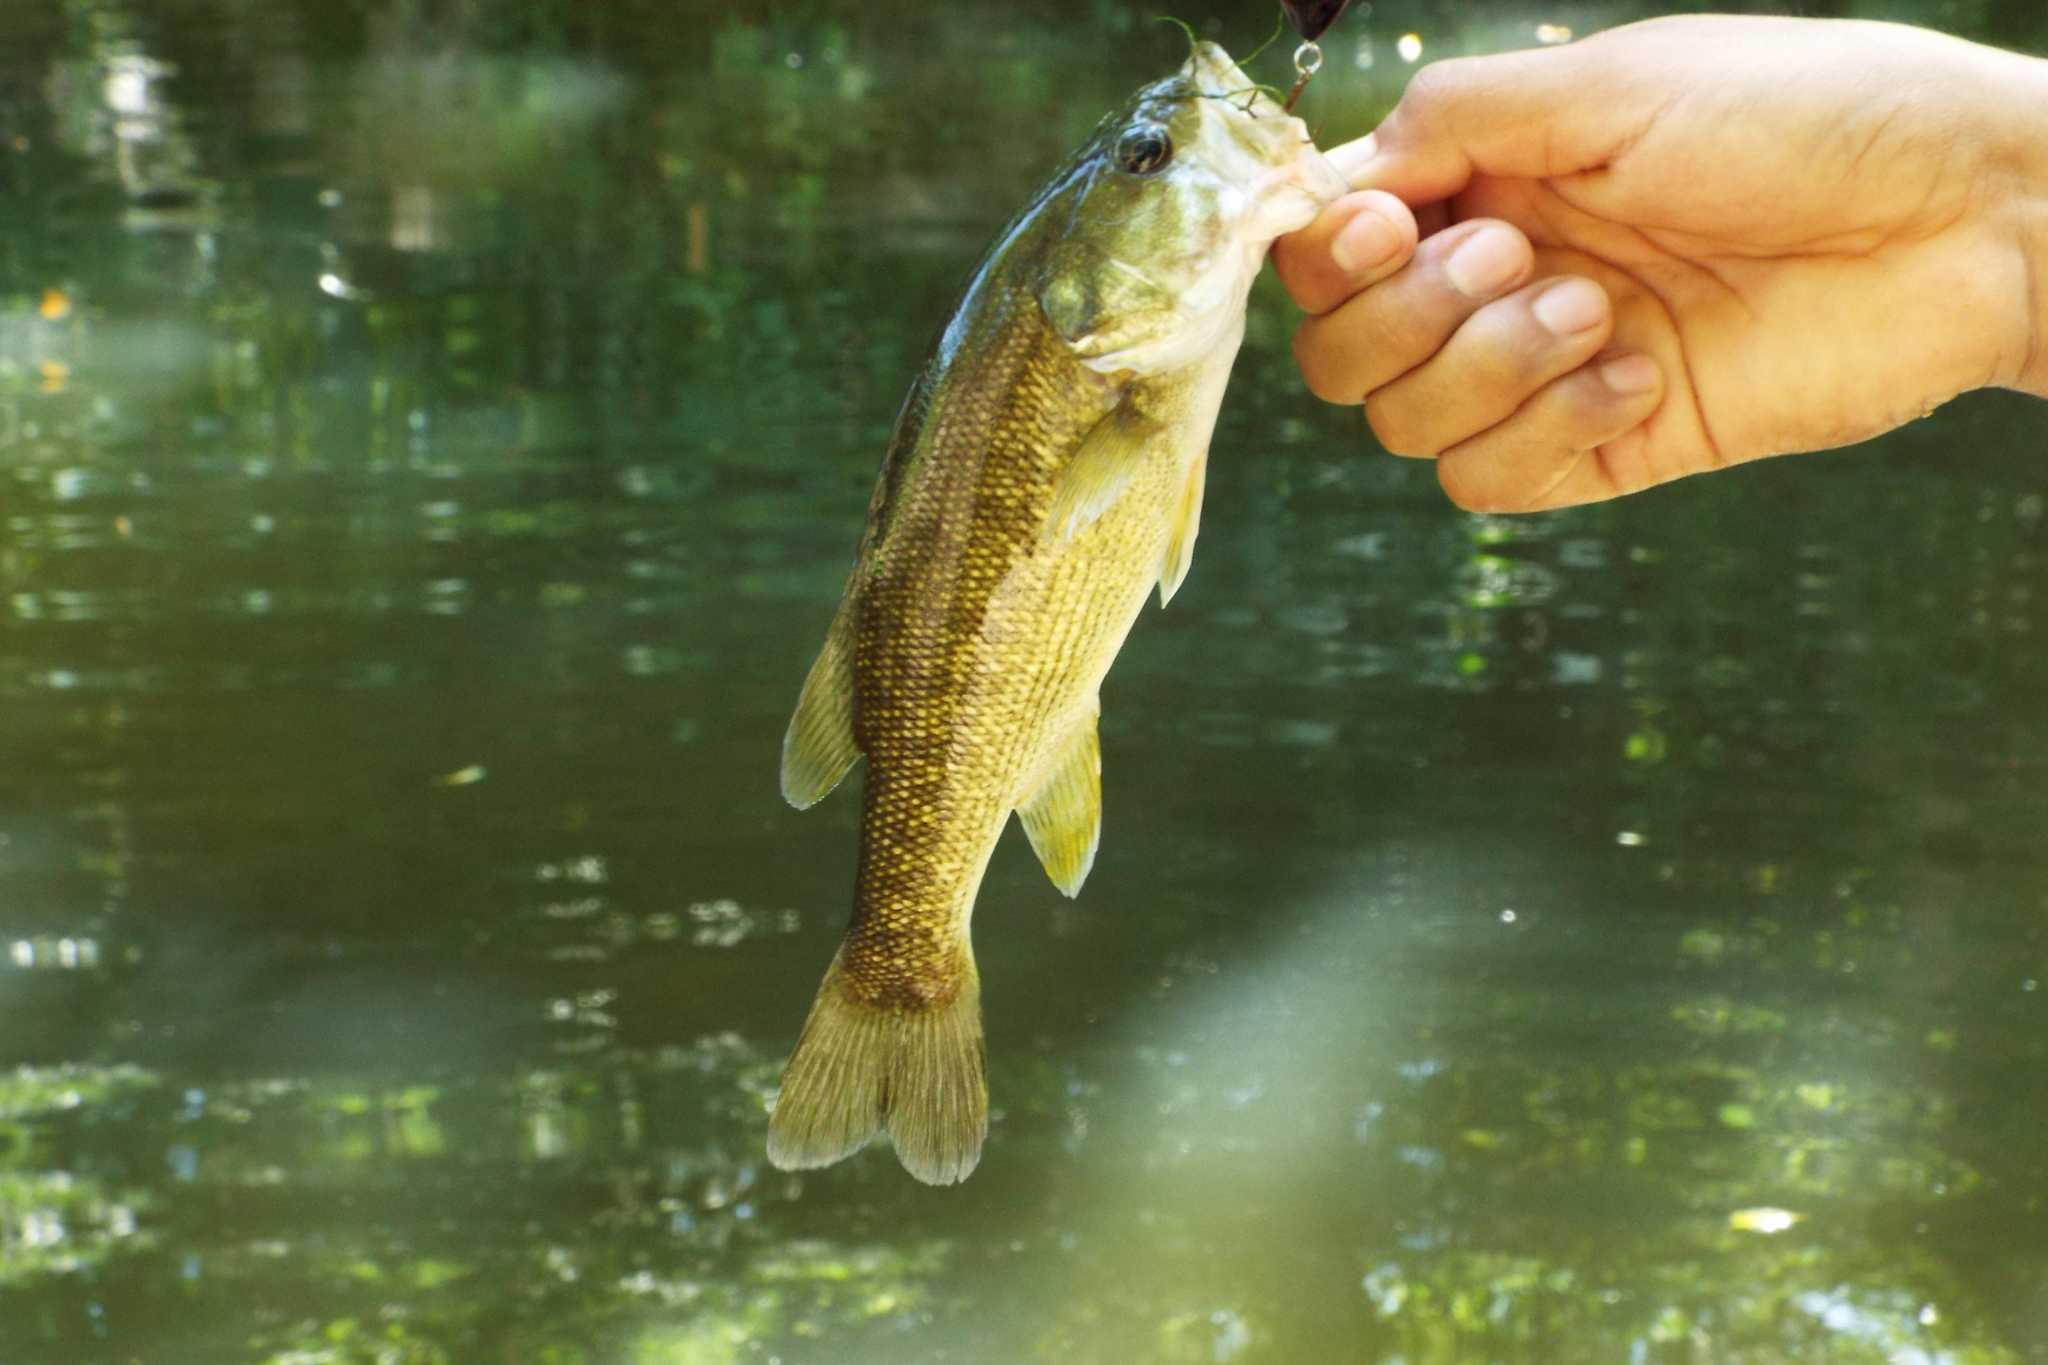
1045 472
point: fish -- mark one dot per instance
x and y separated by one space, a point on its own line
1045 472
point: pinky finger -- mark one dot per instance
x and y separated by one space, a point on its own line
1549 453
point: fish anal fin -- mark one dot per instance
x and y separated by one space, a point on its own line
1180 540
1063 818
818 747
918 1072
1099 471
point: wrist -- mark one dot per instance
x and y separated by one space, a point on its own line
2032 213
2033 376
2022 121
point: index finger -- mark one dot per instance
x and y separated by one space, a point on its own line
1358 240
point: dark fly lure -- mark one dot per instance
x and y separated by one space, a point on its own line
1311 19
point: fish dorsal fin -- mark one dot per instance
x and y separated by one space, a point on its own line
1063 818
818 747
1180 540
1099 472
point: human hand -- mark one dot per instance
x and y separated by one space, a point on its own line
1746 237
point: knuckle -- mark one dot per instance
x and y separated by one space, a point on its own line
1438 81
1321 365
1505 355
1507 350
1394 429
1397 325
1383 328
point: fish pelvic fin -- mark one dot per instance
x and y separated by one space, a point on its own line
818 747
917 1072
1099 471
1180 539
1063 818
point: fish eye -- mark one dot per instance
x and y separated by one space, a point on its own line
1143 149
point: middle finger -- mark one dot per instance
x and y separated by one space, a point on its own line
1390 328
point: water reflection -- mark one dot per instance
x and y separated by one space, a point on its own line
428 453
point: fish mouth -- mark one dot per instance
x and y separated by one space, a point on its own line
1322 181
1217 75
1290 192
1288 197
1310 174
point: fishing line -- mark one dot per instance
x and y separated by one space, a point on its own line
1279 27
1183 26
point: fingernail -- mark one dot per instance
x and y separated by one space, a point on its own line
1367 241
1630 374
1570 307
1352 158
1486 261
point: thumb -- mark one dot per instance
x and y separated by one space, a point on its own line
1533 114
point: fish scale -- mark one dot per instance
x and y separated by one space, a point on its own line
943 660
1045 472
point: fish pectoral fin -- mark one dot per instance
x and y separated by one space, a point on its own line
1063 818
1099 471
1180 540
818 747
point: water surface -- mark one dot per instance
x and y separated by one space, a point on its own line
431 442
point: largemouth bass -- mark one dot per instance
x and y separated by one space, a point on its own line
1045 471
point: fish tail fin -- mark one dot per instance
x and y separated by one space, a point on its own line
916 1071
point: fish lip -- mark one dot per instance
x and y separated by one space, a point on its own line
1310 173
1324 182
1210 59
1290 196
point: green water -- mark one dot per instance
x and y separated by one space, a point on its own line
431 440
